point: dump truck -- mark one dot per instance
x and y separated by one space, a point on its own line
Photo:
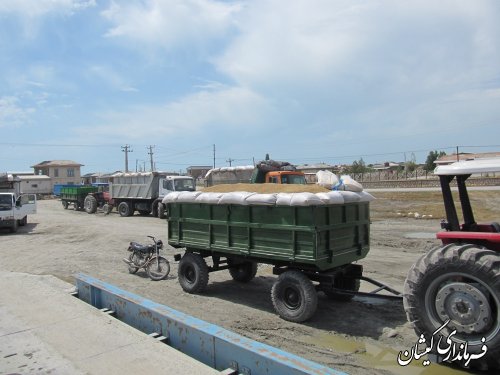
267 171
14 206
144 191
311 240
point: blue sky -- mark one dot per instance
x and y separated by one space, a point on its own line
305 81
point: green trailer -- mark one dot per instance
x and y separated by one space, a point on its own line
75 195
312 247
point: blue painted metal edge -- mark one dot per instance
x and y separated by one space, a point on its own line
205 342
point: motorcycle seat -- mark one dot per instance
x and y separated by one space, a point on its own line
139 247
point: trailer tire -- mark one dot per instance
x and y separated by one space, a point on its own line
65 204
90 204
192 273
346 284
242 272
161 210
294 297
124 209
459 282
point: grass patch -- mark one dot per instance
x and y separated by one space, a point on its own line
485 204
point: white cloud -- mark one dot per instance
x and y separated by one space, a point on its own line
12 113
38 8
214 111
171 23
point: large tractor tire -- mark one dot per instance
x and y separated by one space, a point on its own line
459 283
242 272
192 273
294 297
90 204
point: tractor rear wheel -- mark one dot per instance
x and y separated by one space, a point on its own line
459 283
90 204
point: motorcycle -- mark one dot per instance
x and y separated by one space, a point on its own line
148 257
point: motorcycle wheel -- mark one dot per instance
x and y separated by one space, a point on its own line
158 271
131 268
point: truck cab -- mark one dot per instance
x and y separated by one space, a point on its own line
14 206
169 184
285 177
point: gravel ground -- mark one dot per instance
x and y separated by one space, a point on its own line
363 336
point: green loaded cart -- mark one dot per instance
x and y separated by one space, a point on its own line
75 195
312 243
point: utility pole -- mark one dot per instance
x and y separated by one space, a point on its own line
214 155
458 158
151 157
126 149
230 161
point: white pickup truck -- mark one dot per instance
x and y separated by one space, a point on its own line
14 206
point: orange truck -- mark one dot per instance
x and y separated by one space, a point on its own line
268 171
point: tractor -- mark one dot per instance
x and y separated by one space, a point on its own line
454 289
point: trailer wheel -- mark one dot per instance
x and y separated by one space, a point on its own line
192 273
346 284
460 283
65 204
294 297
90 204
243 272
124 209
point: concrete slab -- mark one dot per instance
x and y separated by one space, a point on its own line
43 329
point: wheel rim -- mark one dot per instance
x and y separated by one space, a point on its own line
291 298
471 305
190 274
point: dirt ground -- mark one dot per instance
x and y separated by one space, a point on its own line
363 336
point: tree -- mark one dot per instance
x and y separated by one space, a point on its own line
431 158
358 166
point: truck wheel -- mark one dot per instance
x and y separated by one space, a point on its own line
243 272
154 208
65 204
294 296
161 210
346 284
124 209
459 283
90 204
192 273
14 227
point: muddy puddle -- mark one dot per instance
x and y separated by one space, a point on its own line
375 356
